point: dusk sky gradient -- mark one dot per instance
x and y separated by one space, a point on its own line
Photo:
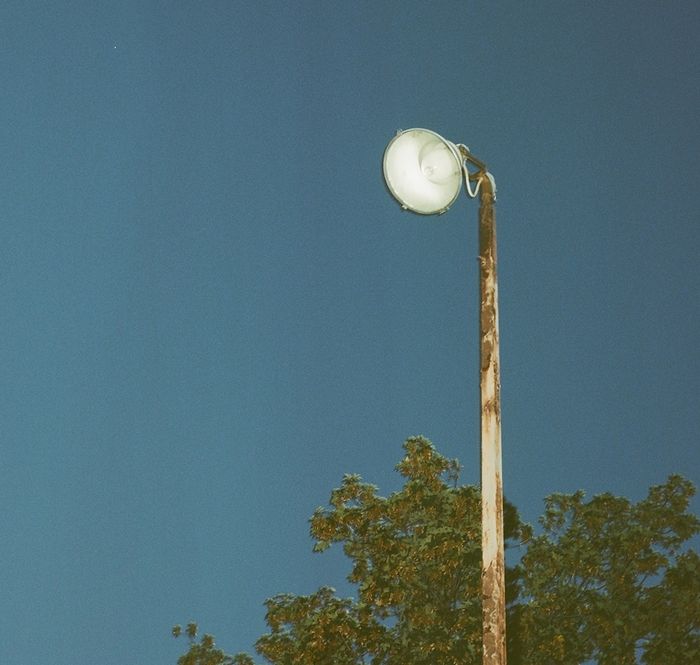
212 308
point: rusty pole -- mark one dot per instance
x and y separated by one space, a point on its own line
492 557
493 563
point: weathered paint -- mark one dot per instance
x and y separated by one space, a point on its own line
493 565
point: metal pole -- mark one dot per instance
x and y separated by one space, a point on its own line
492 557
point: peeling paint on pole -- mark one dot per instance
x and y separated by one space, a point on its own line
493 565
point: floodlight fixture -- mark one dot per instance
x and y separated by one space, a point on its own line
424 171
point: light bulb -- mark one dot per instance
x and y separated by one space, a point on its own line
437 163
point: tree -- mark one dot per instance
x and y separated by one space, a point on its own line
608 580
605 579
205 651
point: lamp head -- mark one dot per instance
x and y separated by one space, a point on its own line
423 171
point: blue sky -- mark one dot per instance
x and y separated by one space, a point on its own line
212 309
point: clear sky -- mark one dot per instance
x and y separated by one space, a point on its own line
212 309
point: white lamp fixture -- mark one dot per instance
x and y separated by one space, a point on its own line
423 171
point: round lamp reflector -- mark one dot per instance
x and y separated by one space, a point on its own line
423 171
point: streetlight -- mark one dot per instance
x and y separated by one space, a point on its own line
424 172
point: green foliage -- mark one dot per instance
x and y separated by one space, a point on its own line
319 627
606 579
205 652
676 636
416 563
